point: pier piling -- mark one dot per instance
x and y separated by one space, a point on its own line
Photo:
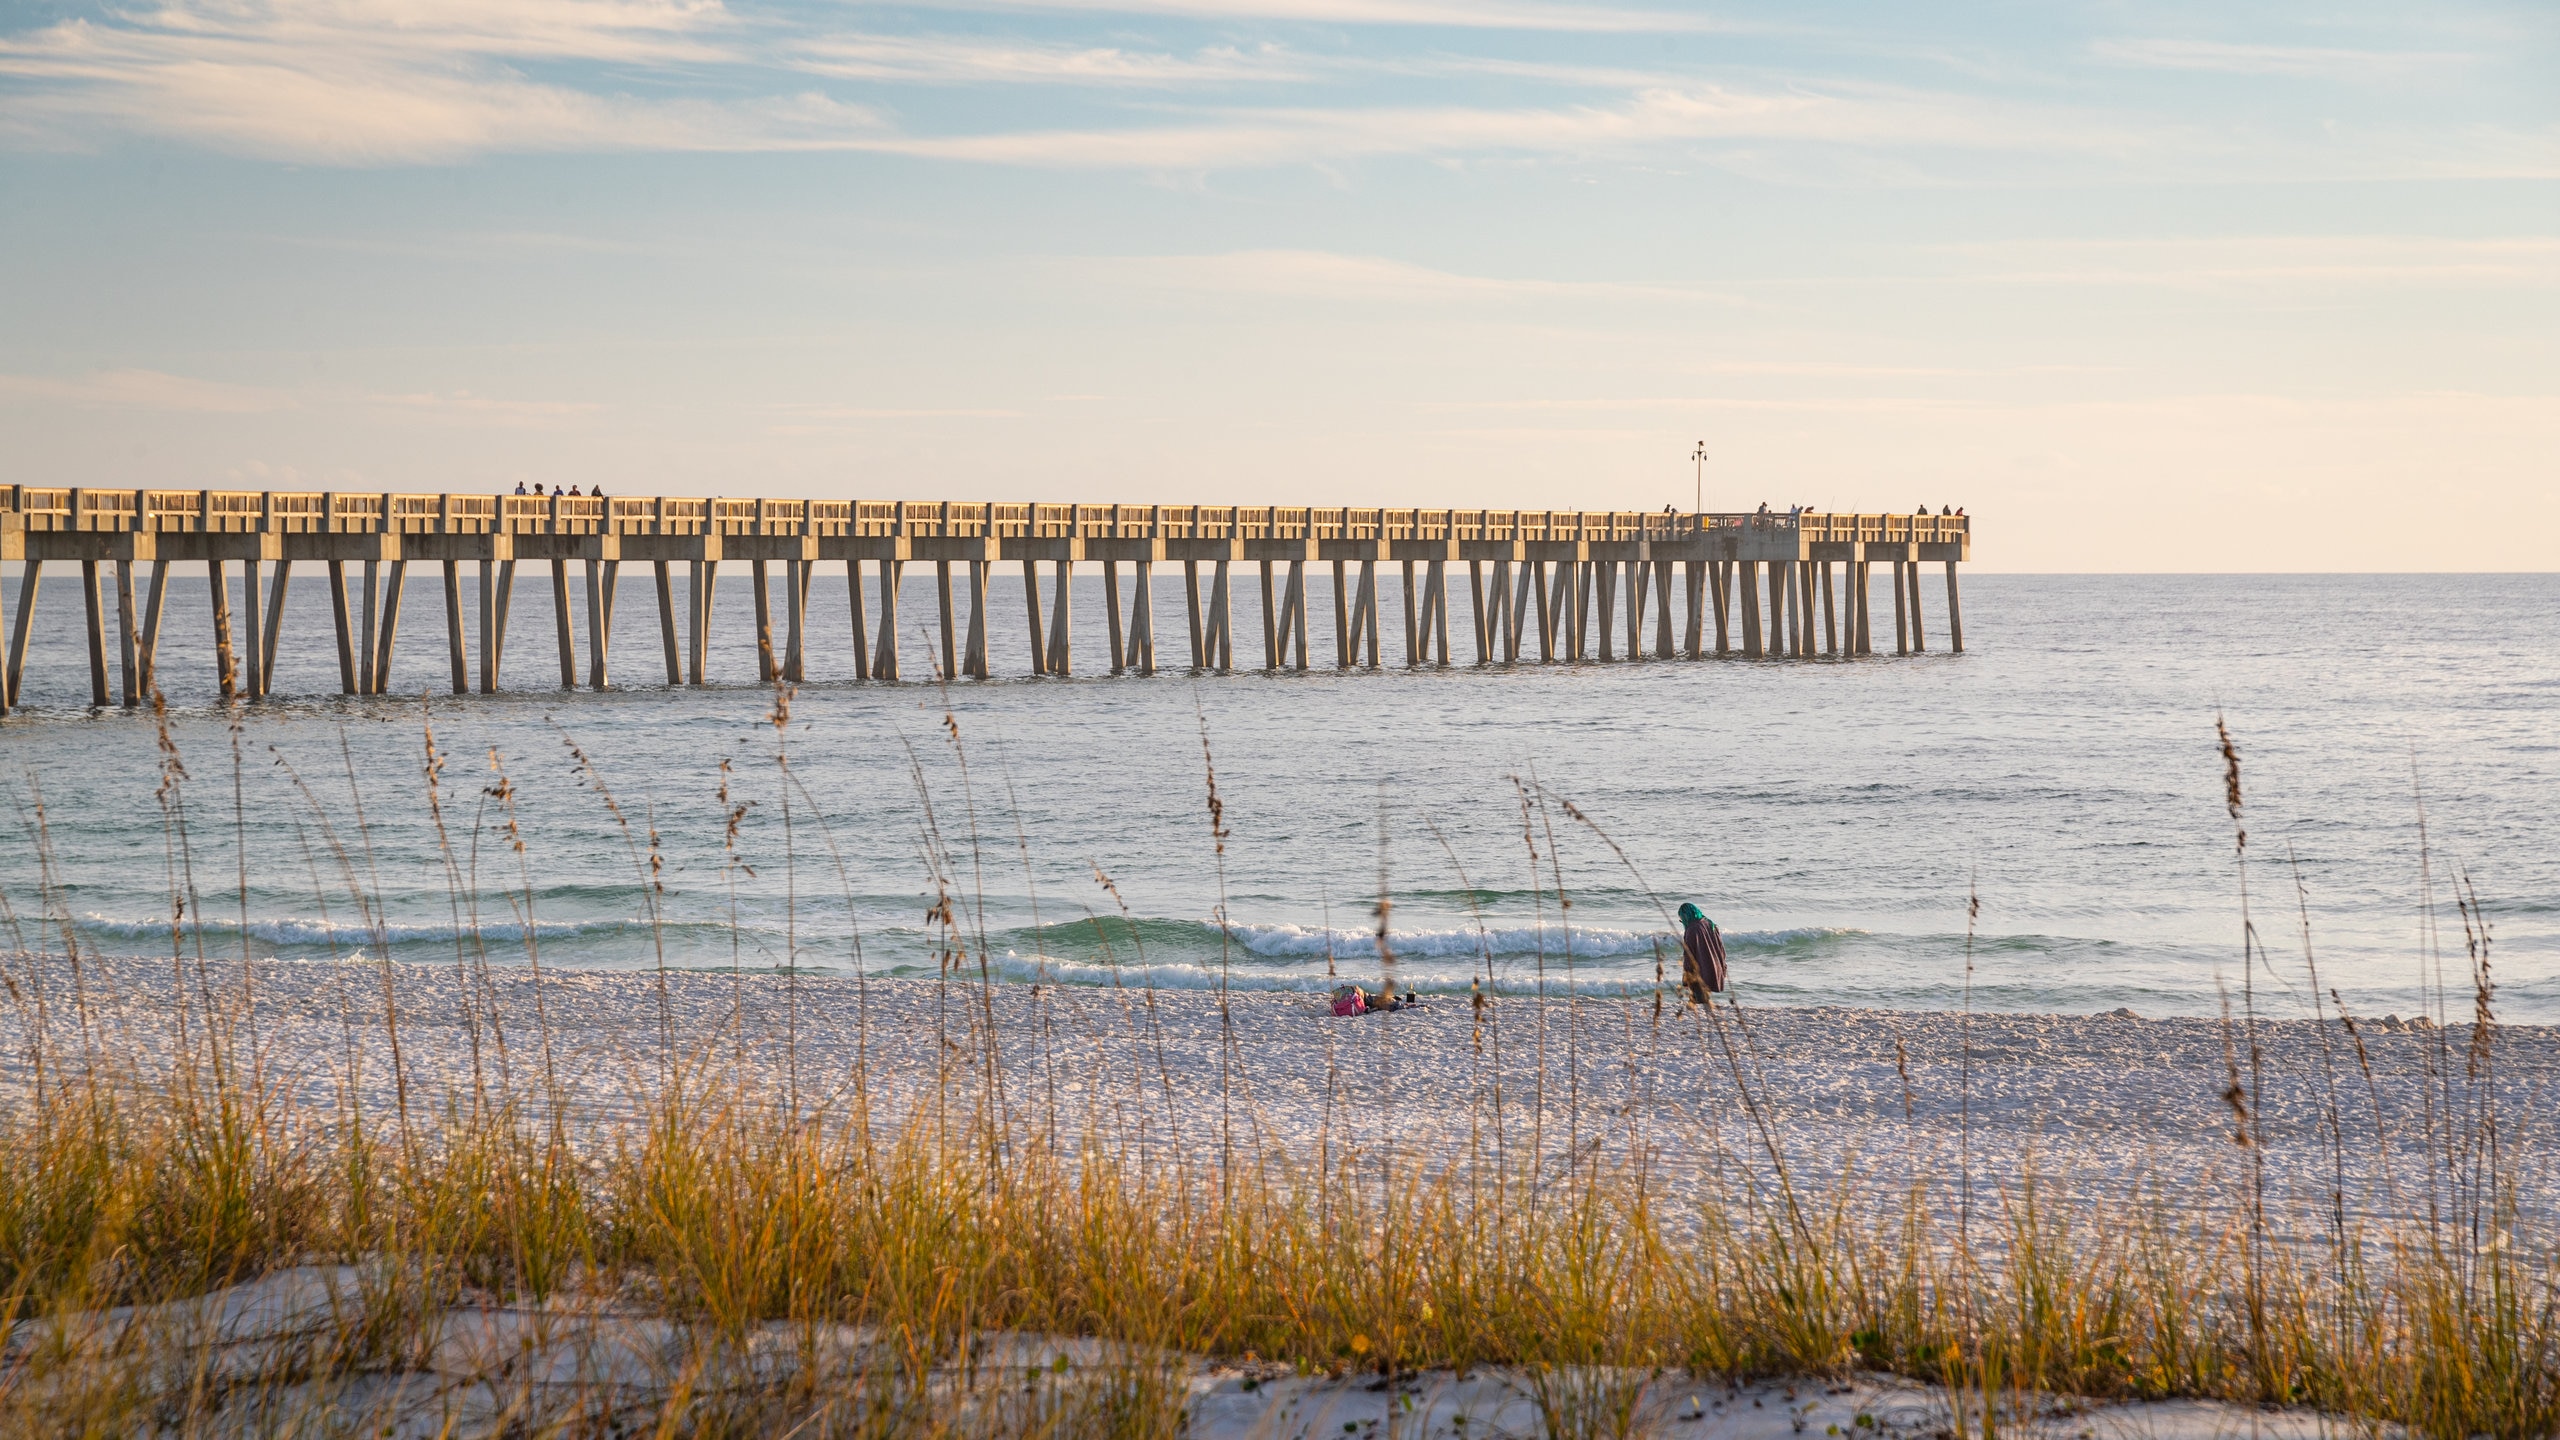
1955 613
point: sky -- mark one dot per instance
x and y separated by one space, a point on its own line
2143 286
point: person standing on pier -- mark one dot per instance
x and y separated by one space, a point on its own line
1702 971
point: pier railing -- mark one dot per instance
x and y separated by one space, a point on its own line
62 508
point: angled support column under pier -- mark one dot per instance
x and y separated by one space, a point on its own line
1806 645
604 581
1376 632
395 585
1062 645
1191 607
795 619
667 620
1861 588
1271 623
1536 574
266 643
950 630
1955 613
1440 609
1720 588
974 663
1421 622
1297 601
225 661
1142 618
1639 576
1605 580
760 577
1747 586
154 605
1694 593
1777 642
1365 623
1111 609
1484 628
861 622
1341 615
30 574
365 631
1662 570
146 638
564 627
1919 632
128 633
1516 580
884 652
1631 602
706 591
1830 615
1348 616
455 652
1412 611
1279 612
345 623
1901 611
1031 609
497 601
1578 596
98 636
253 673
1222 620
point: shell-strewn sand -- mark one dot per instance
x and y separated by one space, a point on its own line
2089 1102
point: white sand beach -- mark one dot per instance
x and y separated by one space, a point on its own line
2087 1103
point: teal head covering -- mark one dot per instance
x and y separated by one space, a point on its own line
1690 912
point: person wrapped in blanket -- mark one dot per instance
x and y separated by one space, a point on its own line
1701 954
1352 1000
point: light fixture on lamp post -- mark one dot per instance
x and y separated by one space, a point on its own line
1700 455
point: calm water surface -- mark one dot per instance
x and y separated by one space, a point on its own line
1833 817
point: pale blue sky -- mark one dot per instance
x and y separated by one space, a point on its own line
2144 286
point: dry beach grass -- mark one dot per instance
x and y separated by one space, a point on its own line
455 1219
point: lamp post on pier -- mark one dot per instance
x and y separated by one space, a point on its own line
1700 455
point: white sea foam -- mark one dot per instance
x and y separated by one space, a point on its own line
1558 941
1014 966
336 932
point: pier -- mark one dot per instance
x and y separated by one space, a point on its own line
1549 586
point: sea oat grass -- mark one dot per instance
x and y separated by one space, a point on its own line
892 1254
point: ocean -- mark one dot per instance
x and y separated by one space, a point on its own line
2036 825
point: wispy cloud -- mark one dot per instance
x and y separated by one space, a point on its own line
389 82
145 390
463 407
2532 261
1864 116
1460 14
2308 60
958 59
376 82
1317 274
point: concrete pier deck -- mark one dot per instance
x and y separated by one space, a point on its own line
1555 586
